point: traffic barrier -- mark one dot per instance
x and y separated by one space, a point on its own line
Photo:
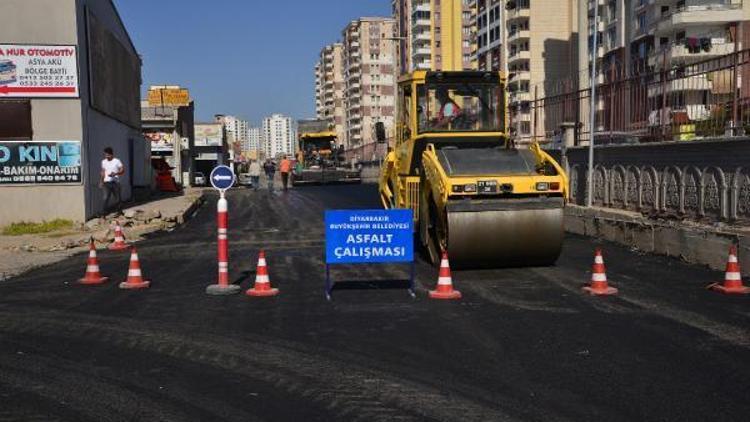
119 244
732 277
222 288
262 287
599 285
135 277
93 275
444 289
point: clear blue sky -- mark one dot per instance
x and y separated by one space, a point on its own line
248 58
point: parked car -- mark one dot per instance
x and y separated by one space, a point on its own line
200 179
244 179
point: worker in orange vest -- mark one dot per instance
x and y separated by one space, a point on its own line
285 168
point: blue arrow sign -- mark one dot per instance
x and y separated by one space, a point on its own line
222 178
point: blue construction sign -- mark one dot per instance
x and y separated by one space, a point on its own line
369 237
222 178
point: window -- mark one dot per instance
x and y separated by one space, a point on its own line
641 23
612 38
475 107
15 119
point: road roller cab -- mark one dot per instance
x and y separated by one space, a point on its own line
474 194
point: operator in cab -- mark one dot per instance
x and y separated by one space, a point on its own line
449 109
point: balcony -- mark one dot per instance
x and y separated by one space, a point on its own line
422 52
519 97
518 76
683 54
519 9
699 15
423 36
422 7
519 34
421 23
700 83
517 55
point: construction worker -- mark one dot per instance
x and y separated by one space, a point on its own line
269 167
285 167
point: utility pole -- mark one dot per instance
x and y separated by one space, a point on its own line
594 51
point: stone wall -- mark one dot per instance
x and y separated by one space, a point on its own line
707 181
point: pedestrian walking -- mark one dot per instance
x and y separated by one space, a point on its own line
285 168
254 171
269 167
111 171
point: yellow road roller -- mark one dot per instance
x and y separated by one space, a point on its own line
474 194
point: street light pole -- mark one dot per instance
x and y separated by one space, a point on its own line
594 50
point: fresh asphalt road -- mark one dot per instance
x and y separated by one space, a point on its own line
523 344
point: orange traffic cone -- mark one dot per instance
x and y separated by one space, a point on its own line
119 244
732 277
93 276
135 278
262 281
444 289
599 285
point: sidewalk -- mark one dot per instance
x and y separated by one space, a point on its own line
19 254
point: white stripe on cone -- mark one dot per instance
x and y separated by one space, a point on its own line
732 258
262 279
134 273
92 268
733 277
262 262
598 259
445 281
599 277
92 254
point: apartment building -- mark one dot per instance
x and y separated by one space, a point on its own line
370 78
614 32
318 88
278 136
254 139
684 32
330 87
402 16
424 28
489 27
542 48
236 129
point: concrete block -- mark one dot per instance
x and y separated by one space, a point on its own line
575 224
667 241
744 252
642 237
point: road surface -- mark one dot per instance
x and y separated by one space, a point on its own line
522 345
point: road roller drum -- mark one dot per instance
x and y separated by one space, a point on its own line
505 233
